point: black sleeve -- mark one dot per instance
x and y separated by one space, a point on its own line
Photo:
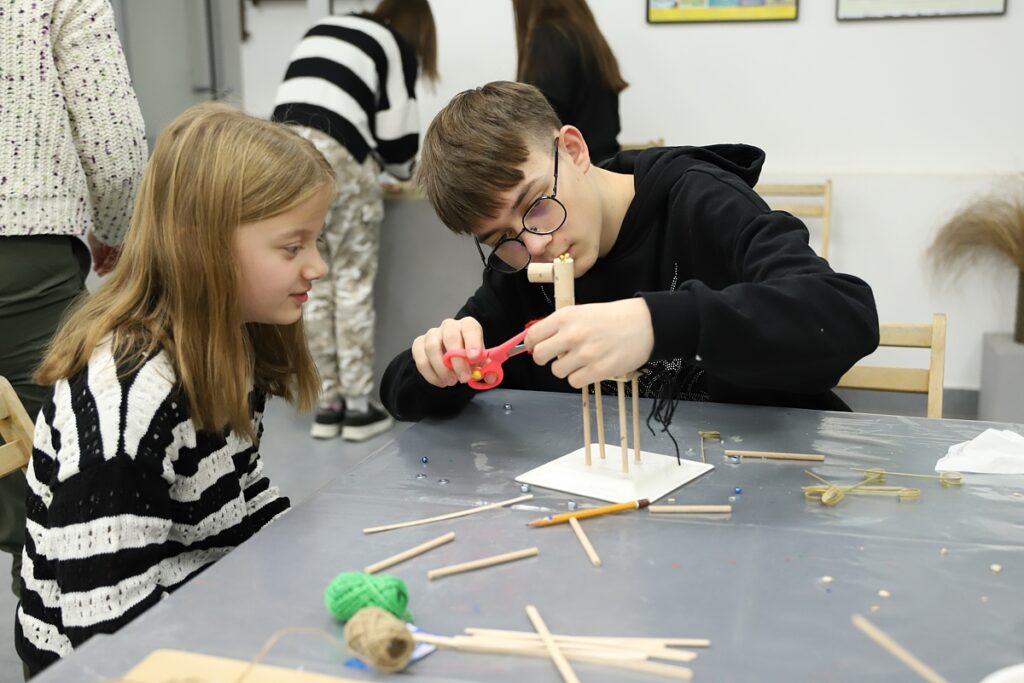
788 323
409 397
556 71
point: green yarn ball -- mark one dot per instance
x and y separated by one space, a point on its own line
349 592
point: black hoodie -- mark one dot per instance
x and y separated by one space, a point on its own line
742 308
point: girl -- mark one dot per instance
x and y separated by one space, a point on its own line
145 466
351 90
563 53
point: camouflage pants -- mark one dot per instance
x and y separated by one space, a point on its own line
339 315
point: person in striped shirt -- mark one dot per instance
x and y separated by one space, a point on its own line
351 90
145 467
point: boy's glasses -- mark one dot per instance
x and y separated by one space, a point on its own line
545 215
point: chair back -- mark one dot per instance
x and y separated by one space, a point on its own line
808 201
914 380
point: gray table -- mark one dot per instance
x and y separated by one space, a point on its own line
751 582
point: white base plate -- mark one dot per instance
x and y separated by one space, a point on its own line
655 476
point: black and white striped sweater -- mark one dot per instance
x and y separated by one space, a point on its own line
354 78
127 501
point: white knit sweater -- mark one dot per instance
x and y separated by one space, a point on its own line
72 141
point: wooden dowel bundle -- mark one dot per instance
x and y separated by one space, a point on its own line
588 548
450 515
773 455
656 647
691 509
513 648
410 553
561 663
602 641
481 563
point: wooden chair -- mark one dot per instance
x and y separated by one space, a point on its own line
656 142
814 201
914 380
16 429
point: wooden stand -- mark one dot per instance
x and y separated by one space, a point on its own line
600 479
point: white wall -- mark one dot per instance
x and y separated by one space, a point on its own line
910 118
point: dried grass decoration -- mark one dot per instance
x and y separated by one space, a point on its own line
992 226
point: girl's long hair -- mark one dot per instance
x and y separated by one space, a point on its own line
415 23
175 287
574 19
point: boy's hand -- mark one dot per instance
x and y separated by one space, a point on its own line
592 342
428 351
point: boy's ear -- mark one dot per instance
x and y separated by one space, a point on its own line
576 146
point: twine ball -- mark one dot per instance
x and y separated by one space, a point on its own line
351 591
380 639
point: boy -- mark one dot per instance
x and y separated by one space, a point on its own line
680 267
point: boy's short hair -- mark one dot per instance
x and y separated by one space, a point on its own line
474 147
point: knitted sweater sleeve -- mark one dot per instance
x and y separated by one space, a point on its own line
104 114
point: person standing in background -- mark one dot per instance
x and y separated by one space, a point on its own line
72 156
563 53
350 89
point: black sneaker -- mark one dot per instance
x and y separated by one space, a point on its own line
328 421
360 426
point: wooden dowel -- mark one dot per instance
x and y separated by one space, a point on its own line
411 552
585 542
568 675
886 642
481 563
770 455
624 641
450 515
691 509
600 419
635 386
623 435
586 423
655 668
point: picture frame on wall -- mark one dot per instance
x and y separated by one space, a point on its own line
708 11
850 10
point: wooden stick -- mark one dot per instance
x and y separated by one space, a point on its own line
612 641
600 418
691 509
585 542
586 423
568 675
668 670
411 552
896 650
450 515
623 435
635 386
481 563
770 455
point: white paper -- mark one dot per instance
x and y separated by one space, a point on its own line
994 451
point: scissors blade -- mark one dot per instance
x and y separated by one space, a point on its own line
516 350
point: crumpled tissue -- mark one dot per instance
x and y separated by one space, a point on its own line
994 451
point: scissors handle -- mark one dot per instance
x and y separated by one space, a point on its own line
488 362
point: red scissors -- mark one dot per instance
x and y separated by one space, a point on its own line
489 361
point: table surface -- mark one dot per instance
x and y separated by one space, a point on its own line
750 582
